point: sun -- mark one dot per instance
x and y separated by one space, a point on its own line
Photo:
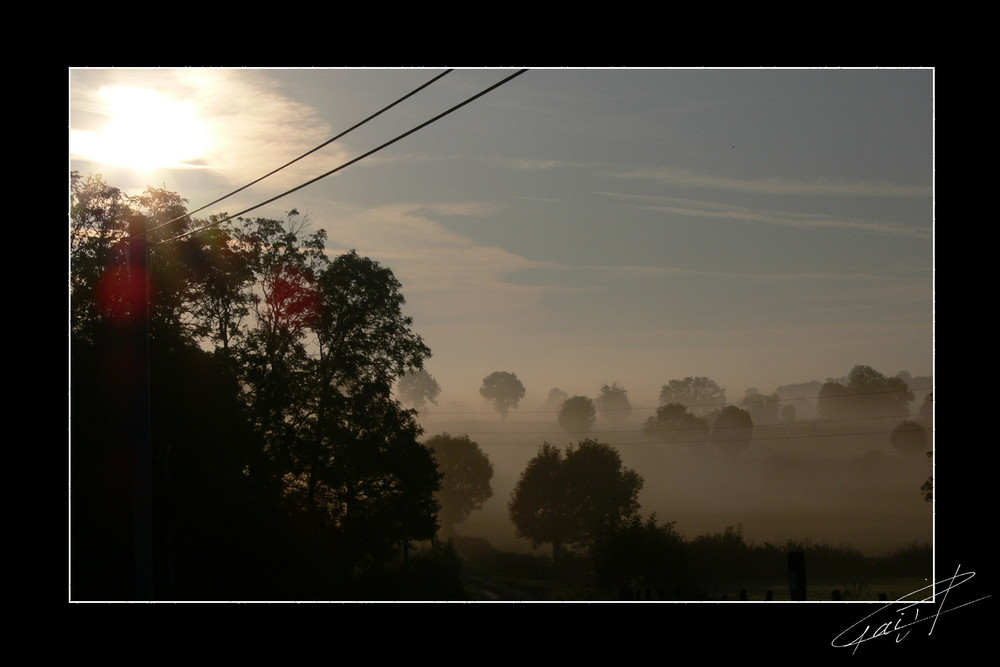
146 131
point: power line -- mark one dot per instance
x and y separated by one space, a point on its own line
309 152
357 159
654 441
655 432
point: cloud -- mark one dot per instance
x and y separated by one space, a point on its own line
450 275
708 209
774 186
528 164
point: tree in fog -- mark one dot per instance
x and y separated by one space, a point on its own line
673 423
927 407
732 430
504 390
700 395
612 403
417 388
570 500
555 399
867 394
465 483
763 408
909 438
788 413
577 415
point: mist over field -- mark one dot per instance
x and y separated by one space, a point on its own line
807 481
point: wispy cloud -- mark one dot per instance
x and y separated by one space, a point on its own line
432 261
709 209
774 186
528 164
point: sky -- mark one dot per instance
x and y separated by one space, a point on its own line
576 226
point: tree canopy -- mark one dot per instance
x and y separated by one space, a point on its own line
673 423
700 395
504 390
466 474
612 403
577 415
732 430
569 500
418 388
302 351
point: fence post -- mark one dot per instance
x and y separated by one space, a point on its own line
797 574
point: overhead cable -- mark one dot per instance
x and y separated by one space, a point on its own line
357 159
309 152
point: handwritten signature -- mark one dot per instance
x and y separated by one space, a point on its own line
872 628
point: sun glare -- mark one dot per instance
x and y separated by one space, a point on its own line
146 131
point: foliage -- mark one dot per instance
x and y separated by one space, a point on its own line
642 554
867 394
673 423
285 433
732 430
466 474
700 395
571 500
504 390
418 388
577 414
612 403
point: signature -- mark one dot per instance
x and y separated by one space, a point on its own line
870 628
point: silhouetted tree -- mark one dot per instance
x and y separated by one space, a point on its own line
98 273
281 461
571 501
466 473
360 462
674 424
417 388
612 403
577 415
642 554
504 390
700 395
273 355
732 430
223 283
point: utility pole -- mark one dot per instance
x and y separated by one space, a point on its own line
142 468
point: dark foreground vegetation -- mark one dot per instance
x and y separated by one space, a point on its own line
644 565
